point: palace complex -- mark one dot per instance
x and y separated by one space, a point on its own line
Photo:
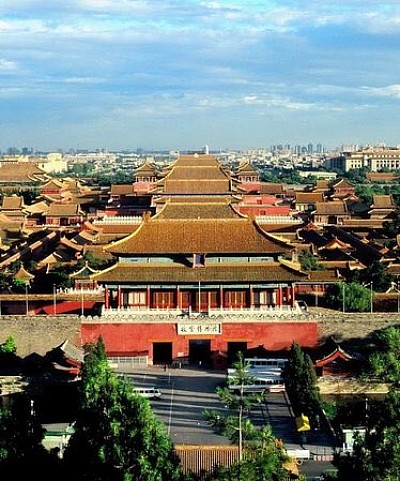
198 280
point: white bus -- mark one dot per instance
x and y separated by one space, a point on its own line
273 382
263 363
262 367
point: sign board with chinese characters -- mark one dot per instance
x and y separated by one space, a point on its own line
212 328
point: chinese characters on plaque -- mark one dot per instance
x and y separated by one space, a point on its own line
214 328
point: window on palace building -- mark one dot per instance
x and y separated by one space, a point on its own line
261 297
164 299
235 298
199 260
137 298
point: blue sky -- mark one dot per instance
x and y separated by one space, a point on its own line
179 74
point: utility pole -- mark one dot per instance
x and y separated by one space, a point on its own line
344 295
26 300
371 285
199 298
398 294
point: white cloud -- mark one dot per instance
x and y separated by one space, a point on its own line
8 66
161 59
392 91
83 80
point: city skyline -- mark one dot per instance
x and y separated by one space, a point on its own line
180 74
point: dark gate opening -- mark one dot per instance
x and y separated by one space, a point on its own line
162 353
200 352
233 351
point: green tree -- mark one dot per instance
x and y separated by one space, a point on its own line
58 276
5 281
384 361
236 426
377 273
308 261
376 457
93 261
117 437
301 383
21 448
18 285
9 346
356 176
350 297
260 456
265 462
383 441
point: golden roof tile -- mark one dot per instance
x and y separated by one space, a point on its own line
313 197
64 210
195 210
21 172
13 202
331 208
212 236
212 273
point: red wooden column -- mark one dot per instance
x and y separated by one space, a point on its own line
292 296
221 297
148 297
119 298
251 297
280 296
287 294
107 298
178 298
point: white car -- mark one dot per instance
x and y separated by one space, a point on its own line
148 392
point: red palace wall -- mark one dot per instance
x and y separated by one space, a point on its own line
128 338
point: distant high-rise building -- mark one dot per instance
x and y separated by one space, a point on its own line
27 151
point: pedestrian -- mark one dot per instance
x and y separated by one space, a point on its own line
165 368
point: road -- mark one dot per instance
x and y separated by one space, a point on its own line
187 392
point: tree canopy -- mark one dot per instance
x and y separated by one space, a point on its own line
351 296
261 457
117 436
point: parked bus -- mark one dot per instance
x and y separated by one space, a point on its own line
262 363
273 382
262 366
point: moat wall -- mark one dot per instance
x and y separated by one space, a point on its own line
42 333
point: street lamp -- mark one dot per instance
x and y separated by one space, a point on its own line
54 299
82 303
371 294
398 294
26 300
